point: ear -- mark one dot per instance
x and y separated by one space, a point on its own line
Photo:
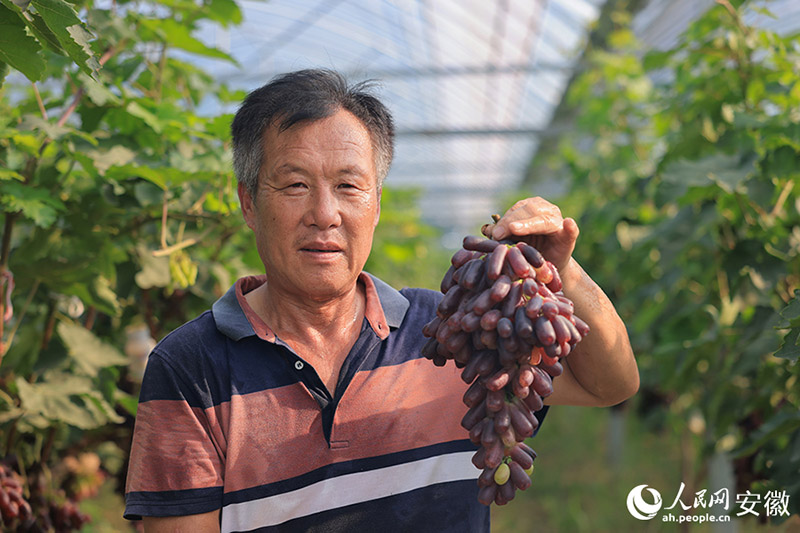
247 205
378 214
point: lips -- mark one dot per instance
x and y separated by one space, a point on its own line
321 247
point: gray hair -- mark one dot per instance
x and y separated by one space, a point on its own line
311 94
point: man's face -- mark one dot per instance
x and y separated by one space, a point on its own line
316 207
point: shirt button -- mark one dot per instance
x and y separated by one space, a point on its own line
298 365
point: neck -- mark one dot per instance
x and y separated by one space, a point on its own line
292 317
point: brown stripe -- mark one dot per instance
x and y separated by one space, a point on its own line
173 450
277 434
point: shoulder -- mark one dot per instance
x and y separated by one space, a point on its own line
190 363
196 337
421 309
421 301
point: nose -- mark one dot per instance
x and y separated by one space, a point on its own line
323 209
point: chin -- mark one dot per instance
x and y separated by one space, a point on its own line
325 286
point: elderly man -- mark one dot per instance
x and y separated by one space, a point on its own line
300 401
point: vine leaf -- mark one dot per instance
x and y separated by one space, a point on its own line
66 398
783 423
45 35
179 36
17 48
36 204
154 272
89 352
790 348
73 36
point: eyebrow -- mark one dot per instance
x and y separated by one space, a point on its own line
288 168
349 170
354 170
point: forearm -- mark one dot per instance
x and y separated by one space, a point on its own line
602 363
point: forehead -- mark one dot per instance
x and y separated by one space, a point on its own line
341 134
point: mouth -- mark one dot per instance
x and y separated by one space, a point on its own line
321 248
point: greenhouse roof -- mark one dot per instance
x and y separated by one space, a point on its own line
472 84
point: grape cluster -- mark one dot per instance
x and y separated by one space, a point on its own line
42 512
65 517
13 506
505 321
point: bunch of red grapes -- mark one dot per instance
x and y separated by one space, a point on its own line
505 321
38 514
13 506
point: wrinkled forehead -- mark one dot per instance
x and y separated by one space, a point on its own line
341 134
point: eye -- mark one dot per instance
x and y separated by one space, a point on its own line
298 185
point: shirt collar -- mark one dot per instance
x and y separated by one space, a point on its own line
385 309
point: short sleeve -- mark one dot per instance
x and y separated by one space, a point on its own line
177 457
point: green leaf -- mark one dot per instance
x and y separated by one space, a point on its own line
97 92
149 118
53 399
127 401
62 20
6 174
179 36
116 156
225 12
36 204
764 11
104 297
154 272
155 176
790 349
101 409
17 48
783 423
89 352
40 30
3 73
727 171
791 313
51 129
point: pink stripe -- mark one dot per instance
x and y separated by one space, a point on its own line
277 434
173 450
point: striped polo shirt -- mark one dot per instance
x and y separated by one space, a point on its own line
231 418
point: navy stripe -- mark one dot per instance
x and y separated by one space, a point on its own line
172 502
444 508
347 467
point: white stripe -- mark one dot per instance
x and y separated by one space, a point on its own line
347 489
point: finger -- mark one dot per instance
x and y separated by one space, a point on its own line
525 212
536 226
570 228
530 226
